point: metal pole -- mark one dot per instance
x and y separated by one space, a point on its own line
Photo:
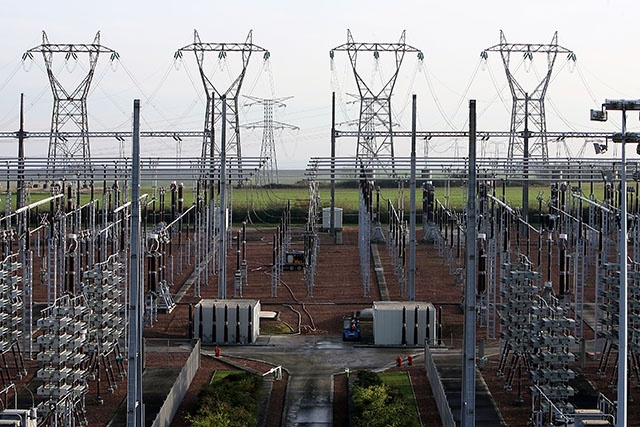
135 407
412 207
621 418
222 265
332 225
525 181
21 193
468 415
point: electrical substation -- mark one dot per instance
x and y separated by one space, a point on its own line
545 298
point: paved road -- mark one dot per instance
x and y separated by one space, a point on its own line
311 362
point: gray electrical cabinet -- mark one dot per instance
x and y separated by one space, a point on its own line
404 323
227 321
326 218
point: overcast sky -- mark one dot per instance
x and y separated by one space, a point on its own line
299 36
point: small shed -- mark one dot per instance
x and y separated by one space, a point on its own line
228 321
326 218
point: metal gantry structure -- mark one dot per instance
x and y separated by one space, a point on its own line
311 239
375 103
534 279
69 104
217 96
86 248
528 106
268 174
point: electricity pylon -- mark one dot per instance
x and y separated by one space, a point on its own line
69 106
215 94
528 108
375 105
268 173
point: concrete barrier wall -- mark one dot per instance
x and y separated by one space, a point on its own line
179 389
438 391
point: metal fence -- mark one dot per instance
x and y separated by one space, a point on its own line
438 390
179 389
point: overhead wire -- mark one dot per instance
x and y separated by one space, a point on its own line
467 88
142 93
36 99
197 89
550 101
578 68
408 95
337 89
498 90
10 76
435 98
95 85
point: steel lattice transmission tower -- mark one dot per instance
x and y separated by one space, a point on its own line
69 106
375 105
215 94
268 174
528 106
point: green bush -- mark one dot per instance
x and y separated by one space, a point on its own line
378 405
367 379
229 402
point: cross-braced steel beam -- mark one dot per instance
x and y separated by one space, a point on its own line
269 173
215 94
69 105
528 106
375 105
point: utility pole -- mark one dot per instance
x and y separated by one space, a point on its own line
412 206
332 211
21 194
222 242
135 406
525 172
468 416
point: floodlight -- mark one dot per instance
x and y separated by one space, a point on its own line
598 115
607 175
600 148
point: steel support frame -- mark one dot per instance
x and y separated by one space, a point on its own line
69 106
217 97
528 105
375 105
268 174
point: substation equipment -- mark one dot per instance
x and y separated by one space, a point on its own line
536 277
84 248
82 251
227 321
404 323
82 241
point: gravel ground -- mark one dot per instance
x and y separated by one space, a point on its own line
337 291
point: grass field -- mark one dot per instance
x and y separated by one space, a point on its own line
400 381
267 204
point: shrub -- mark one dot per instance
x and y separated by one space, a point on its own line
378 405
367 379
229 402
